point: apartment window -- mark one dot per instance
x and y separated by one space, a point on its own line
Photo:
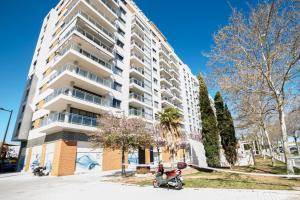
118 71
122 11
155 70
156 117
117 86
155 92
23 109
119 57
154 50
154 60
155 81
120 44
122 20
155 104
153 41
116 103
124 2
121 32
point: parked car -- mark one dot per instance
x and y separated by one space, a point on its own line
294 150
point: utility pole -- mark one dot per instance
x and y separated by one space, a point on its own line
2 144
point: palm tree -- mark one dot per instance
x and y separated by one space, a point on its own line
170 121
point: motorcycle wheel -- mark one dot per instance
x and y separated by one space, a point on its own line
155 184
179 185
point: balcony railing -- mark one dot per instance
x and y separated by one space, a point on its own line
79 94
88 36
140 98
85 53
94 39
69 118
109 6
141 71
140 113
83 73
100 12
92 20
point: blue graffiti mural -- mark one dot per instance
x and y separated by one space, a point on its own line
36 162
86 162
133 158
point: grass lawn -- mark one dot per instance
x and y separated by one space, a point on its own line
265 166
196 179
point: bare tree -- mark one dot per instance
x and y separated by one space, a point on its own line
262 46
121 133
257 110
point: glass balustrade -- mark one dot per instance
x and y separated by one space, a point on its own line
69 118
84 53
83 73
79 94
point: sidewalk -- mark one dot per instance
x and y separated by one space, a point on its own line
11 174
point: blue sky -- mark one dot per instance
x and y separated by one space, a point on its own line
188 26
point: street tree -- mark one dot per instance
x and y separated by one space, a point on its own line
121 133
264 45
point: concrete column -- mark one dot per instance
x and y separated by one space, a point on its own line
64 158
28 158
147 156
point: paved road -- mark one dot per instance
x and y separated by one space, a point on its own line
84 187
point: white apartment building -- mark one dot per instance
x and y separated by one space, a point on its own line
94 56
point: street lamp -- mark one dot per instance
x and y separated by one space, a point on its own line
10 111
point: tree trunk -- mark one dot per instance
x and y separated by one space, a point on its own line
252 153
270 146
262 144
297 146
183 155
123 162
158 155
289 166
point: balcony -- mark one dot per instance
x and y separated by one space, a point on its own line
96 9
165 80
72 52
95 41
138 59
141 37
176 89
138 100
167 102
80 99
105 10
83 78
166 91
139 72
109 36
57 122
140 48
139 113
140 85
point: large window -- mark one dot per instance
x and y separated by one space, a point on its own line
116 103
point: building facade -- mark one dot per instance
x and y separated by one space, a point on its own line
94 56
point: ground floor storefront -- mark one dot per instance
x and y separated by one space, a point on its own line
67 157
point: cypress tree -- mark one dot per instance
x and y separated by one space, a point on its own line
209 126
226 129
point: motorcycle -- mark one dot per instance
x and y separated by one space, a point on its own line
39 171
173 178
